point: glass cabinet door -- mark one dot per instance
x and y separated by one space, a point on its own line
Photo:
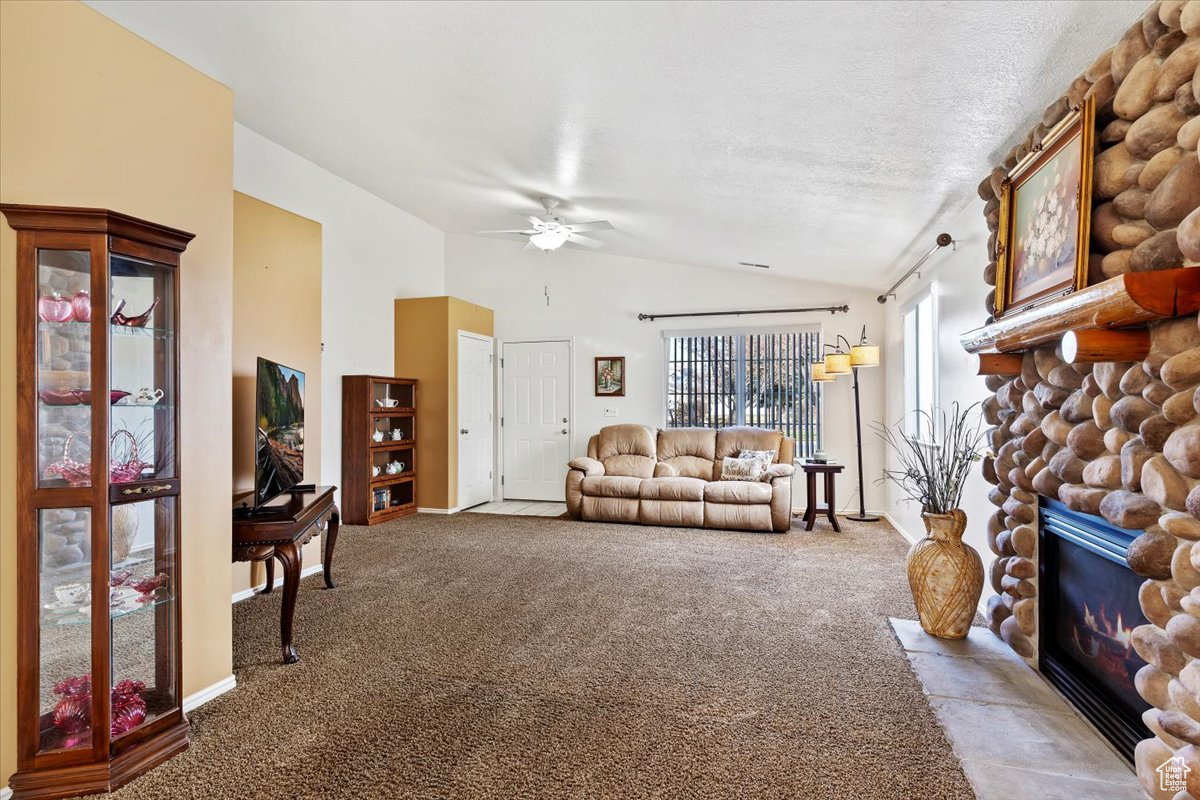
63 364
144 586
65 631
142 370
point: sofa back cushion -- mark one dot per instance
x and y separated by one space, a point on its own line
732 441
627 450
689 451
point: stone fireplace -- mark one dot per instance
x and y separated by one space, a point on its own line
1108 429
1088 610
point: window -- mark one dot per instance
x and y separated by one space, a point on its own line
920 362
745 378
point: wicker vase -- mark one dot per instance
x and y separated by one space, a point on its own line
124 531
946 576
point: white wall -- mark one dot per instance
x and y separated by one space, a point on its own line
960 292
372 252
596 298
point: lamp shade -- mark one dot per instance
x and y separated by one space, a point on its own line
837 364
818 372
864 355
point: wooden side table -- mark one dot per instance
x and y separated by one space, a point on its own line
279 531
811 471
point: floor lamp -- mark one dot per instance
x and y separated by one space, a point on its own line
840 362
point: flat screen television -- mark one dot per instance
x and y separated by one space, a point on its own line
279 434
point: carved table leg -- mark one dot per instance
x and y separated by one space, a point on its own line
270 565
331 533
289 557
810 513
830 502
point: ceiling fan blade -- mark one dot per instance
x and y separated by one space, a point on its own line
586 241
598 225
537 223
523 233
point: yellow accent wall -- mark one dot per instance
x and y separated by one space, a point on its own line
427 349
276 315
95 116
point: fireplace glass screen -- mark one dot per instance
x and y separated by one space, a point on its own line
1090 608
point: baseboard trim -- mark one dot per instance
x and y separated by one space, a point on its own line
246 594
892 521
201 697
454 510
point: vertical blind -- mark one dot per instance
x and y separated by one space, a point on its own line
759 379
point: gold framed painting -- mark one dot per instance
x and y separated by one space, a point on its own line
1045 217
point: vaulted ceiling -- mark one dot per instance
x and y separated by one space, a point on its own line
827 139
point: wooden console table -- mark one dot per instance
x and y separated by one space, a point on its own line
279 531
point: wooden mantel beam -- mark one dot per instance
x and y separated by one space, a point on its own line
1128 300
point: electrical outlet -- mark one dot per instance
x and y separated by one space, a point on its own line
610 411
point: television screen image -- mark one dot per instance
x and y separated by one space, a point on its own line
279 438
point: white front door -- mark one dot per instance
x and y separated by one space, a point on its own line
536 420
474 420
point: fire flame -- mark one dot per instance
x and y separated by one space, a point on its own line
1100 625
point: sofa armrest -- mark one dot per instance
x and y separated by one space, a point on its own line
779 471
664 470
588 466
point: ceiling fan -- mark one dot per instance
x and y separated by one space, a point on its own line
552 232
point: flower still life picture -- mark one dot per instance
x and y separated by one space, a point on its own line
1043 219
610 376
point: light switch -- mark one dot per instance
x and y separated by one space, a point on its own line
610 411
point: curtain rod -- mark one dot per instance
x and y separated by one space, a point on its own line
830 309
943 239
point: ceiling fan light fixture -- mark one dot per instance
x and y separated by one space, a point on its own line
549 240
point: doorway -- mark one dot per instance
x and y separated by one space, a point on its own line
475 429
536 419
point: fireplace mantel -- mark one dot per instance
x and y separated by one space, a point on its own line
1128 300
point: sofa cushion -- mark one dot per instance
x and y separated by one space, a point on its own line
672 489
611 509
732 441
627 450
610 486
737 492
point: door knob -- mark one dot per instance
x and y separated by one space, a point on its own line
564 430
463 431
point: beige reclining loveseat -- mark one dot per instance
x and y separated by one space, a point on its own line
633 473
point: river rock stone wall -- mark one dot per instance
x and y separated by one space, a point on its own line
1119 440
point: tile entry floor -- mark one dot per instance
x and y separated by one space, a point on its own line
1015 736
521 508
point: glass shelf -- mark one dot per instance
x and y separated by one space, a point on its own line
77 616
146 332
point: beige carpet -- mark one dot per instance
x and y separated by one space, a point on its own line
485 656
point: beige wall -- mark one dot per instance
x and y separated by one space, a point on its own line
276 315
427 349
95 116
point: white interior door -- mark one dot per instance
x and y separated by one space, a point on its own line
536 422
475 433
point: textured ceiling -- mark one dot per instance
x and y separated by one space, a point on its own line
829 140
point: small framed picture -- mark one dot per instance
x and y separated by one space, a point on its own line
1045 215
610 376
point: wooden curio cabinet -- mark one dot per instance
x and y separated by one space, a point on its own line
98 488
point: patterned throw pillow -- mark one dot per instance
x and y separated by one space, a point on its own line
767 457
742 469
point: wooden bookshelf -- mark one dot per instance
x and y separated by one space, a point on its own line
379 428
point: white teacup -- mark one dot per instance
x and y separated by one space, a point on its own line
387 402
146 396
377 436
72 593
397 434
375 471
